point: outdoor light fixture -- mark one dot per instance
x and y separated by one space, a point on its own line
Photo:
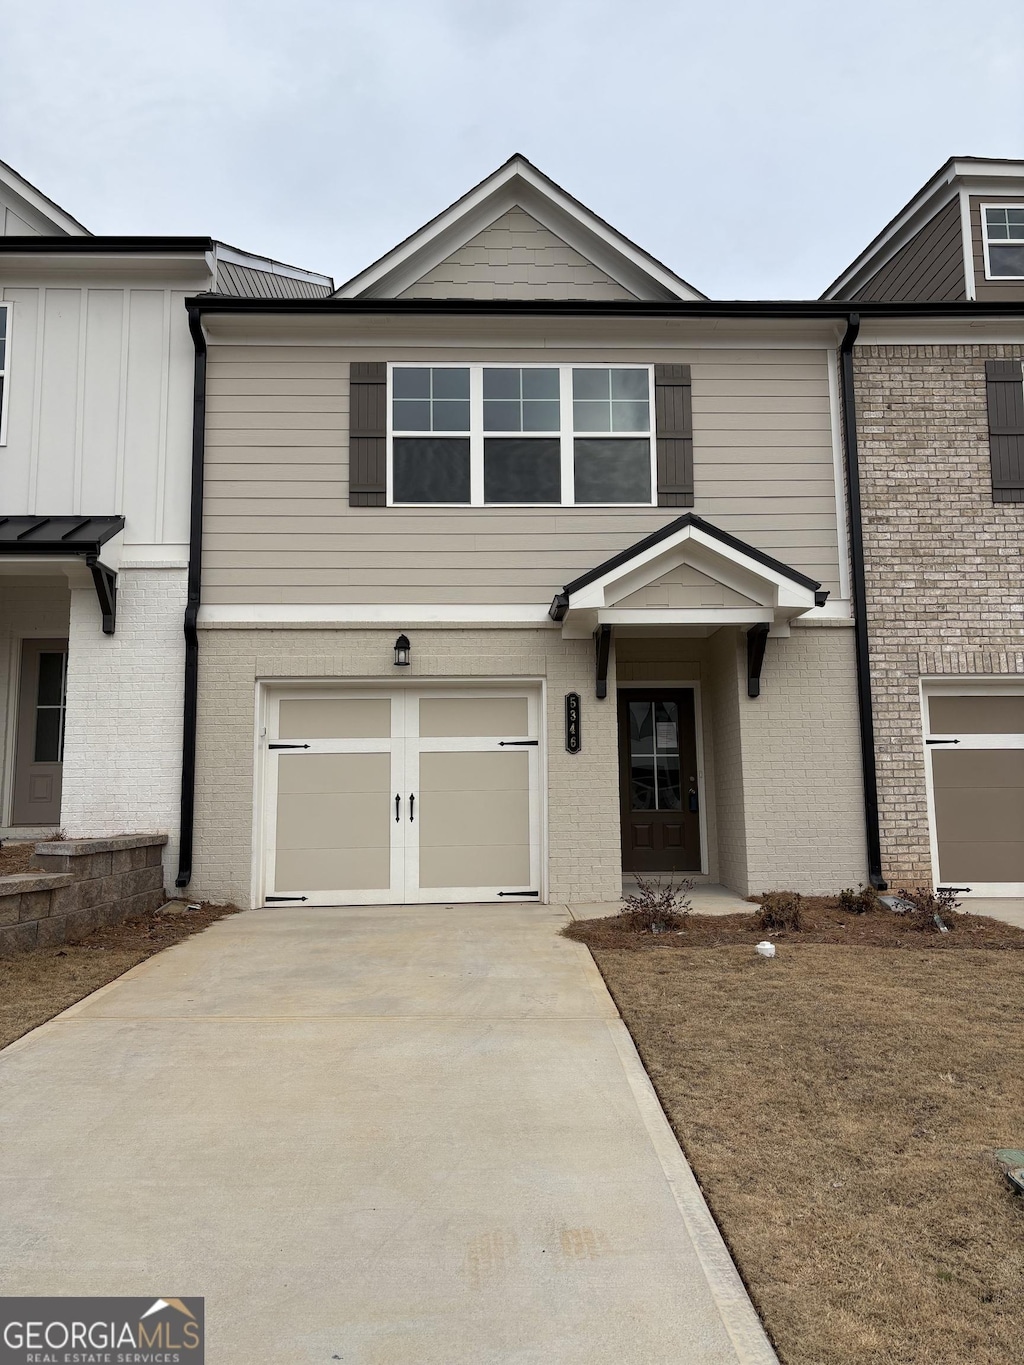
402 648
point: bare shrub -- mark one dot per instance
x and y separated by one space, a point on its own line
658 906
928 910
780 910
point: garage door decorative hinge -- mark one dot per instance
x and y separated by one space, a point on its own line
942 741
287 746
285 898
508 743
518 893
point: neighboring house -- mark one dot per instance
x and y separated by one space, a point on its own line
940 405
96 401
522 566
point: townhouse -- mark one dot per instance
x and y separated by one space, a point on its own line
940 432
96 403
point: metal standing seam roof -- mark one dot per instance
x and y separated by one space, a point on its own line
56 535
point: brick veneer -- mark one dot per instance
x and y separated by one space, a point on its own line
81 885
944 564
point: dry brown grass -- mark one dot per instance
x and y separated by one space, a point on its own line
839 1106
35 986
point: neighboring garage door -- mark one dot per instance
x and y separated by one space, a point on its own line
389 797
976 746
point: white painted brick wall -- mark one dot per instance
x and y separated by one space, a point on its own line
122 751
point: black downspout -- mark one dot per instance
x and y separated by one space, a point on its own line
195 584
860 605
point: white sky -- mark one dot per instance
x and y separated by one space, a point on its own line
753 147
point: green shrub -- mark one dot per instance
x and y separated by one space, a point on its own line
780 910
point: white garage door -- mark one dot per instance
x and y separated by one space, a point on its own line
976 748
402 796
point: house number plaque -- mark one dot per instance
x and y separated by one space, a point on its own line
573 738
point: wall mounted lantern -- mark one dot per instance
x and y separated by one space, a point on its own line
402 648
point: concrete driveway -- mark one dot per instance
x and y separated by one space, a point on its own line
402 1135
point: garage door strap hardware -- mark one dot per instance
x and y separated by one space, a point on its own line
285 898
518 893
287 746
508 743
942 741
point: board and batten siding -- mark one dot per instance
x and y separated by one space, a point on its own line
990 291
99 422
278 527
929 266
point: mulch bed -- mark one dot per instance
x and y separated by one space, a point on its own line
822 922
37 985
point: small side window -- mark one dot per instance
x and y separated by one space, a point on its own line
1004 241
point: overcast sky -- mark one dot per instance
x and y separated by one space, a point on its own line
753 147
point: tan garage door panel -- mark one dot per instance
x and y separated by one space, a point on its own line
333 830
979 814
474 823
473 716
976 715
335 718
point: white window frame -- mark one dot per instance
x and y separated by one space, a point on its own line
566 436
5 374
958 685
999 241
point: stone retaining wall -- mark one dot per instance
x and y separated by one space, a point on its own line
81 885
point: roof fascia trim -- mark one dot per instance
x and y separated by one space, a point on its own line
235 256
40 203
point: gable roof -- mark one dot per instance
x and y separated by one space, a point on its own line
35 210
974 173
518 183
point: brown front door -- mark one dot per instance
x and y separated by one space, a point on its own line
39 753
658 781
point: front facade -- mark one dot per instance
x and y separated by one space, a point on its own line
616 545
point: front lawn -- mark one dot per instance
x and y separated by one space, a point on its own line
839 1105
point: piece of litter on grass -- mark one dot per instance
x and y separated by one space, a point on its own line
765 949
193 907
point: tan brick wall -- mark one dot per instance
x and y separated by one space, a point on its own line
802 785
944 569
582 796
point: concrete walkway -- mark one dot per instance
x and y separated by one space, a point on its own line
408 1136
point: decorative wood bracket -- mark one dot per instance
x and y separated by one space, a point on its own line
105 581
602 643
757 638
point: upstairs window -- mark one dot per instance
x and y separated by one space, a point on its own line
495 434
1004 241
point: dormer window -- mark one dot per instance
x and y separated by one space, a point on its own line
485 435
1004 241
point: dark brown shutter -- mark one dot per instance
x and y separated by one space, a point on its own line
1005 383
367 433
674 427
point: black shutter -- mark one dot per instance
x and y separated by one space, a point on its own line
1005 383
367 433
674 427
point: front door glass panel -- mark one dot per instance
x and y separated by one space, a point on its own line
654 756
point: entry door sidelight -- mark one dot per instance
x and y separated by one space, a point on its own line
39 755
660 795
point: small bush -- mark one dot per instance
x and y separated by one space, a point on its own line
860 902
658 906
928 910
780 910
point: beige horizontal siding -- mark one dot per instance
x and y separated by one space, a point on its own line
278 528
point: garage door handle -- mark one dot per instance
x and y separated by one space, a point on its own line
398 804
412 804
